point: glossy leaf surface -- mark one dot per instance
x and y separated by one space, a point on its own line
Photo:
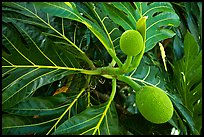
161 15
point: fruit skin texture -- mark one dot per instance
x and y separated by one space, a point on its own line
154 104
131 42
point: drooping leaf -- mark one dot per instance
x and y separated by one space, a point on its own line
191 19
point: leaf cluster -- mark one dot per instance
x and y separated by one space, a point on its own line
51 84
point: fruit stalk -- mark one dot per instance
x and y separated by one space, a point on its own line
141 28
136 61
129 81
131 43
126 65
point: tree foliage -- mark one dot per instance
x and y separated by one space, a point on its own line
57 58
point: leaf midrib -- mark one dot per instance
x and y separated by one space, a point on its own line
28 84
29 125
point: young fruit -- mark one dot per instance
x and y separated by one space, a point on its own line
131 42
154 104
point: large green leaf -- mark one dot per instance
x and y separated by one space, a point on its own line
94 12
160 16
191 20
194 19
38 115
95 20
59 30
41 106
68 10
31 59
50 44
89 122
149 73
21 125
118 15
188 79
183 112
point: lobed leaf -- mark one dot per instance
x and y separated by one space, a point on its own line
119 16
31 59
148 73
160 16
66 11
188 80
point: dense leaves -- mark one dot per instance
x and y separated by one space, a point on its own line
88 122
188 73
160 15
46 46
21 125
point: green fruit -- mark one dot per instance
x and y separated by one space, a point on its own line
131 42
154 104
